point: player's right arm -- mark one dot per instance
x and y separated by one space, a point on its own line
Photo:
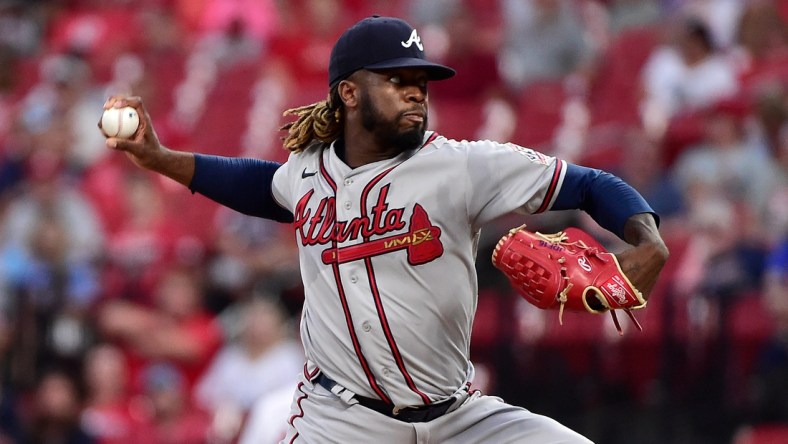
144 148
244 185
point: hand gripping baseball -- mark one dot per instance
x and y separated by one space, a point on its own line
566 270
144 148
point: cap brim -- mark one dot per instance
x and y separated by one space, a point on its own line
435 71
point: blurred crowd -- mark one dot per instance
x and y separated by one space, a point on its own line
132 311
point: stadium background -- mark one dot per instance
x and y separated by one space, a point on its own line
124 300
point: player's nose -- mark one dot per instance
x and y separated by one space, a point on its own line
415 93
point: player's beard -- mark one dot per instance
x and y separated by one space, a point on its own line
387 133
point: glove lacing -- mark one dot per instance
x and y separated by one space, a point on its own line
561 238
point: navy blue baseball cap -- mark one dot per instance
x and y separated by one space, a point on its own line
381 43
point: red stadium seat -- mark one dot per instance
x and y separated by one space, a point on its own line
164 71
576 340
487 323
763 434
751 326
604 147
615 91
539 112
457 119
224 119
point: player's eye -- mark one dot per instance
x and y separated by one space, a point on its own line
397 80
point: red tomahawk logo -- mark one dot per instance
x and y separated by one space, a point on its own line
422 243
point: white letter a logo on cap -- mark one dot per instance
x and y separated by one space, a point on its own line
414 38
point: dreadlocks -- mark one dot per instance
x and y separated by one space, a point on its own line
321 121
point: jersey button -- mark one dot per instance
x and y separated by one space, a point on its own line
365 326
386 372
353 279
347 205
348 182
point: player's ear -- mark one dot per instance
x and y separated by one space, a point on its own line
348 93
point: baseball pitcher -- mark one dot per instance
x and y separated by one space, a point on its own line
387 215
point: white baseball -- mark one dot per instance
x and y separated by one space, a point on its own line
120 122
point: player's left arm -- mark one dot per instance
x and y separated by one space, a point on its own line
645 260
619 208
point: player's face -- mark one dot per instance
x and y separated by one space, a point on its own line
394 107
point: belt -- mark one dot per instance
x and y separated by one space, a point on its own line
423 413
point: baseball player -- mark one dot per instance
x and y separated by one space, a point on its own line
387 215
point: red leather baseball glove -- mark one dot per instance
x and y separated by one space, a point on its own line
566 270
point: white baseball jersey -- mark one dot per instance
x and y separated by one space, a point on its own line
388 254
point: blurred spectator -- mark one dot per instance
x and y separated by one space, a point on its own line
20 27
10 159
52 239
129 77
11 427
719 264
9 74
107 415
437 11
769 120
685 76
55 294
763 42
721 16
625 14
177 329
141 241
55 412
267 421
230 38
775 217
171 417
770 382
248 250
726 163
261 357
474 103
241 19
103 183
49 191
97 30
543 39
734 265
59 112
776 287
470 53
304 44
